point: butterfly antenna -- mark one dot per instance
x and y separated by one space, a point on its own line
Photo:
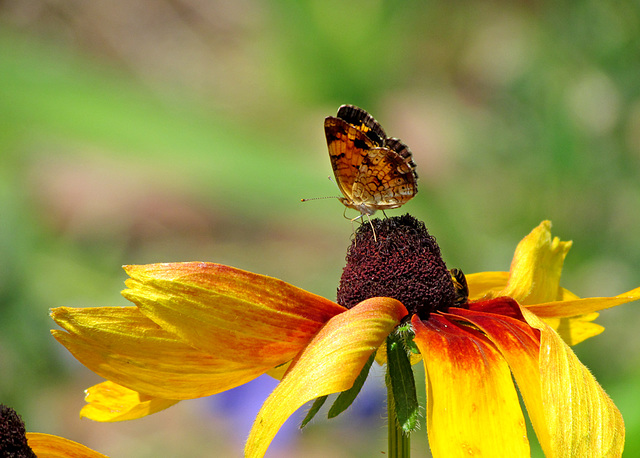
318 198
326 197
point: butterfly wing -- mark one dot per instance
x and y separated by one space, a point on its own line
364 122
348 146
386 177
372 171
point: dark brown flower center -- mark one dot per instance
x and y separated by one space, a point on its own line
401 261
13 439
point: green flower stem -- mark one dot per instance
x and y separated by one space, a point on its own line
399 441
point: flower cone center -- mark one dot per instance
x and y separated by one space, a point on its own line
401 261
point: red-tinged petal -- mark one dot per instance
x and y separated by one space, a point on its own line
122 345
48 446
502 306
109 402
582 418
228 312
472 404
486 283
501 320
570 412
329 364
573 307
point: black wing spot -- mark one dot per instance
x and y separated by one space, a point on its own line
356 116
360 144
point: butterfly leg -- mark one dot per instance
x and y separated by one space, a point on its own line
375 239
361 218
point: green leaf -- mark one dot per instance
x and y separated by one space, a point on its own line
317 404
402 384
346 398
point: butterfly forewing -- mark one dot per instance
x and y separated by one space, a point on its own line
364 122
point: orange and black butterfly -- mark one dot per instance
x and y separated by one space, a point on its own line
373 172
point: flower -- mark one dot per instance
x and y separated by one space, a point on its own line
201 328
14 441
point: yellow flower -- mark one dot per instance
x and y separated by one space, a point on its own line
534 281
200 328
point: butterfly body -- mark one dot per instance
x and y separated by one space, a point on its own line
373 172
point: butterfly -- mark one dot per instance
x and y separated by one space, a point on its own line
373 172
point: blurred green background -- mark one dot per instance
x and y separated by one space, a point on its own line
148 131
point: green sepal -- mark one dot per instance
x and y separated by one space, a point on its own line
346 398
315 407
407 334
402 383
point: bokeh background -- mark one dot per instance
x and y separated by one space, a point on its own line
177 130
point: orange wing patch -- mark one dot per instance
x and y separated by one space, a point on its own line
373 172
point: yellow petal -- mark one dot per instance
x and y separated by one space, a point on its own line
48 446
483 284
570 412
583 419
472 404
576 306
122 345
536 267
227 312
329 364
279 371
108 401
575 329
502 322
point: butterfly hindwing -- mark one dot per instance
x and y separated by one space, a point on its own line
386 180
